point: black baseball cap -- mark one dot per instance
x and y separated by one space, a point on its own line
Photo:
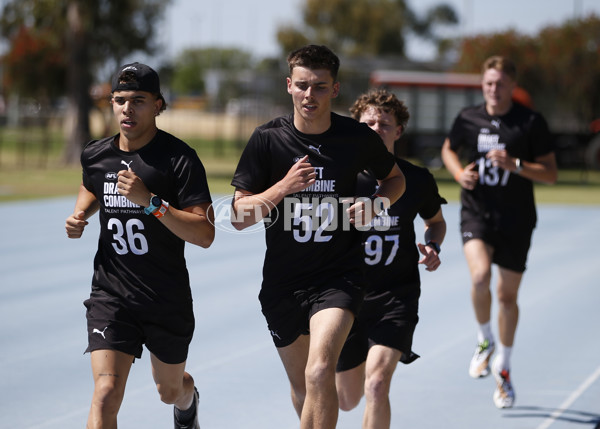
136 77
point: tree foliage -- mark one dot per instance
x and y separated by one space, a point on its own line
35 65
363 27
191 65
75 39
559 66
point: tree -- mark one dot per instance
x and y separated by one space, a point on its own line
522 49
363 27
28 49
559 66
568 56
191 65
89 35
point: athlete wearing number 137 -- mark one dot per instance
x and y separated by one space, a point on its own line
151 192
508 146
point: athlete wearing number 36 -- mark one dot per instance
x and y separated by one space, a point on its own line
508 147
152 196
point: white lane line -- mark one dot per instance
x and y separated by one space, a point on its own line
569 401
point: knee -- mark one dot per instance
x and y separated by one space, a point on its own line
319 374
507 298
169 394
107 398
377 387
481 279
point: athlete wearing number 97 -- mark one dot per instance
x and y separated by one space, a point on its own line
383 332
151 192
297 171
508 147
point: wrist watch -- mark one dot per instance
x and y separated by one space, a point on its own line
155 203
378 204
518 165
434 246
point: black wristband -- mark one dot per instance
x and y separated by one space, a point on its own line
380 208
434 246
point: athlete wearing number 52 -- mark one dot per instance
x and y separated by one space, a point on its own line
152 196
298 172
508 147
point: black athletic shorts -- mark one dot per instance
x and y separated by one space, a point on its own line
384 319
510 246
166 333
288 313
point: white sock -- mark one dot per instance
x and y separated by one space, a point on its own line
503 357
484 332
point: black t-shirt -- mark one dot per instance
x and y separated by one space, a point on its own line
501 197
308 236
138 259
390 253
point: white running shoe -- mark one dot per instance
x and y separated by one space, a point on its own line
480 362
504 395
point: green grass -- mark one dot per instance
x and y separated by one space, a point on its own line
30 170
573 187
25 183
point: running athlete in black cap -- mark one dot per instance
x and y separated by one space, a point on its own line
151 192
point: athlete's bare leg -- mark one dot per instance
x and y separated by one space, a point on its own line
350 386
381 364
508 309
479 260
294 359
175 386
329 329
110 370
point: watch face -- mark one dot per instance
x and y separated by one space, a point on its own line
156 201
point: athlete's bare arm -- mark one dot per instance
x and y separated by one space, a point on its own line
393 186
194 224
249 208
466 177
85 206
435 230
390 189
543 169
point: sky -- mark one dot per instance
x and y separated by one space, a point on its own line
252 25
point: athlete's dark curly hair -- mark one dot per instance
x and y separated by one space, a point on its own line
383 100
314 57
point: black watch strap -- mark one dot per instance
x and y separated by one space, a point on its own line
434 246
378 204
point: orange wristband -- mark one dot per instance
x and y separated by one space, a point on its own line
458 174
162 210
